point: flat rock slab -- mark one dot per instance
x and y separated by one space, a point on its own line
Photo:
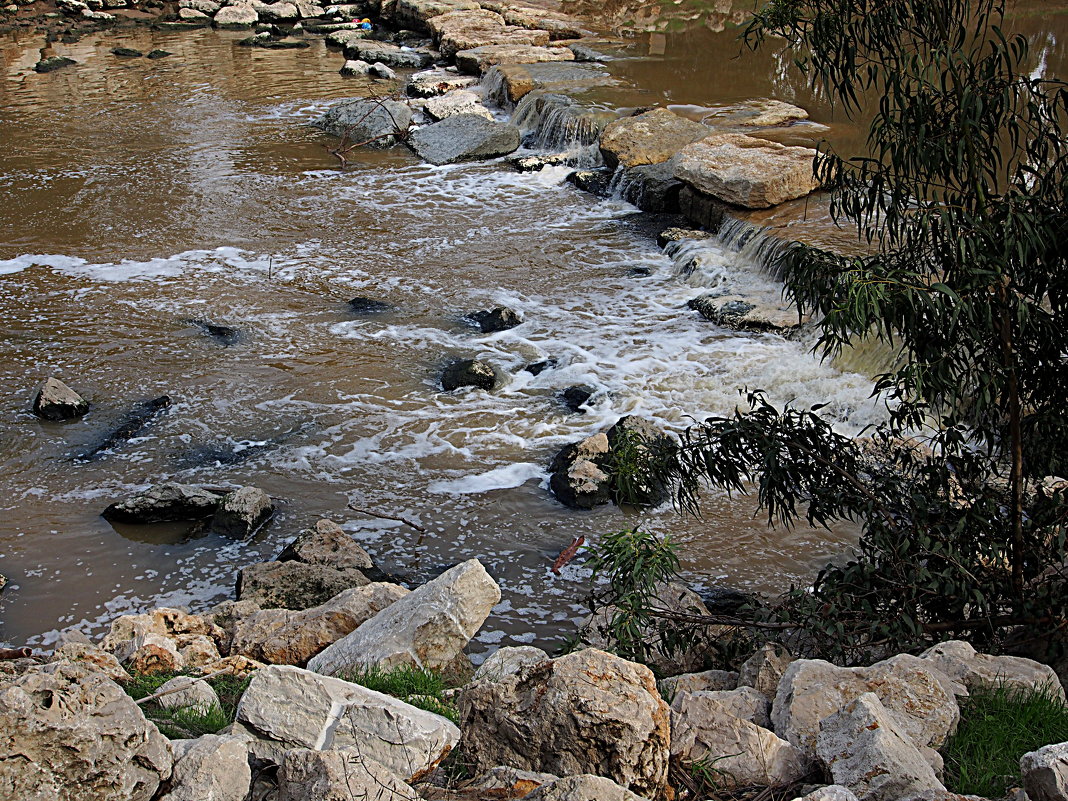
741 313
386 53
746 171
517 80
477 60
464 137
415 14
432 83
649 138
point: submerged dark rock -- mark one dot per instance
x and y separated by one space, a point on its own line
574 397
537 368
493 320
362 305
270 43
126 52
131 425
164 503
596 182
224 334
159 54
56 401
53 63
468 373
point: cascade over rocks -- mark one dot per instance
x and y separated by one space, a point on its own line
741 313
428 628
587 711
518 80
377 122
463 137
294 585
56 401
285 707
649 138
67 727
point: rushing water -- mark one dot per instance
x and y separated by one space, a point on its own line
138 195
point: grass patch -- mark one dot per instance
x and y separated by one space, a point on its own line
998 726
421 688
179 723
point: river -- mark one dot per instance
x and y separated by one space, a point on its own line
138 194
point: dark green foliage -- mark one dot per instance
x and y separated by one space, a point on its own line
181 723
962 199
997 727
421 688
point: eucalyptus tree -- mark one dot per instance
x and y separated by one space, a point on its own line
962 197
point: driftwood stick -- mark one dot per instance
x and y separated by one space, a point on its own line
185 686
15 653
404 520
567 554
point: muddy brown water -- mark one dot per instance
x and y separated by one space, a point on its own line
137 195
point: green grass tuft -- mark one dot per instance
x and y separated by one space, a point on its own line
424 689
181 723
998 726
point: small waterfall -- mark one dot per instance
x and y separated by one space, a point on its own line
754 245
737 243
494 89
552 123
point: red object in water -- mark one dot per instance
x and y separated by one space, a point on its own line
567 554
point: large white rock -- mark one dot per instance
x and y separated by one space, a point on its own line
210 768
812 689
747 171
1045 773
763 670
586 712
863 748
294 708
341 775
742 702
128 632
960 661
508 661
832 792
427 628
187 692
66 727
583 787
461 101
706 680
242 15
717 727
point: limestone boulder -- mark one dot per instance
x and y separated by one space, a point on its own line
705 728
415 14
184 692
464 137
56 401
285 707
1045 773
649 138
236 17
166 502
191 15
832 792
427 628
514 81
746 171
456 40
862 747
373 51
508 661
355 68
742 702
92 655
812 690
294 585
477 60
960 661
242 512
67 727
587 711
583 787
377 122
768 113
339 775
278 12
432 83
327 544
210 768
128 632
509 782
764 669
705 681
461 101
286 637
155 654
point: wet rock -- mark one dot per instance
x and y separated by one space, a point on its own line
557 122
583 787
596 182
914 695
492 320
701 209
764 669
126 52
355 68
438 82
327 544
56 401
459 102
477 60
377 122
415 14
705 681
188 693
428 628
225 335
577 479
770 113
464 137
363 305
468 373
158 54
67 727
746 171
268 42
52 63
707 727
294 585
536 163
862 747
132 424
652 187
574 397
586 711
1045 773
342 775
285 707
585 53
507 661
507 782
380 70
342 35
242 512
960 661
236 17
518 80
210 768
282 636
634 440
163 503
537 368
392 55
740 313
649 138
679 235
